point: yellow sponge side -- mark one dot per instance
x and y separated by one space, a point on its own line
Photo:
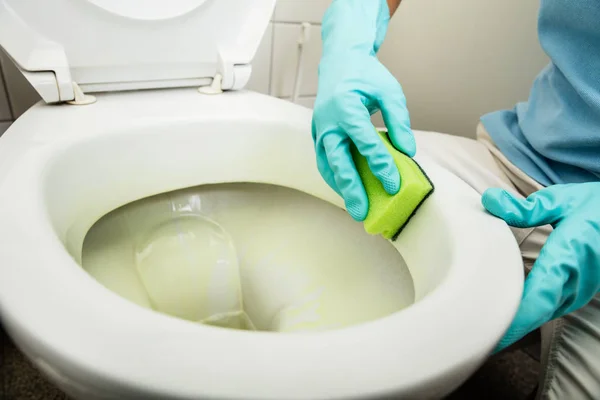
389 214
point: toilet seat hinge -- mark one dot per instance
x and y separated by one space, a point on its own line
216 87
228 76
81 99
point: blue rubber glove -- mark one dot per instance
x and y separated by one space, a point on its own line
566 275
353 84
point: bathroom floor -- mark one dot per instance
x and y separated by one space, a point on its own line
508 376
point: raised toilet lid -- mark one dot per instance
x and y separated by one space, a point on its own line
113 45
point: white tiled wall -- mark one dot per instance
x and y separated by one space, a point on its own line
285 57
455 59
300 11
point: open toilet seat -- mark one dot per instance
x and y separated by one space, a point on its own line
133 145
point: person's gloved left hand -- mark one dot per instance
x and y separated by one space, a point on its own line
353 84
566 275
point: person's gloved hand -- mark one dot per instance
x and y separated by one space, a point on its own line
566 275
353 84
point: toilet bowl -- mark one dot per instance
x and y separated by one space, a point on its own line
332 313
64 168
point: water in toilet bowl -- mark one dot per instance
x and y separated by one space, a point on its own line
188 267
247 256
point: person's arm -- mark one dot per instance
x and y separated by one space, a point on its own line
393 6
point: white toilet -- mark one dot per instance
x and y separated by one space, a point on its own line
276 293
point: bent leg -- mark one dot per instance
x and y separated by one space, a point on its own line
570 345
571 355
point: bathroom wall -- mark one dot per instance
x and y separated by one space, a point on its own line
455 59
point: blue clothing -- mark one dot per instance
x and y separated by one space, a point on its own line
555 136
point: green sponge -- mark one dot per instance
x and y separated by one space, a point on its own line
388 214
